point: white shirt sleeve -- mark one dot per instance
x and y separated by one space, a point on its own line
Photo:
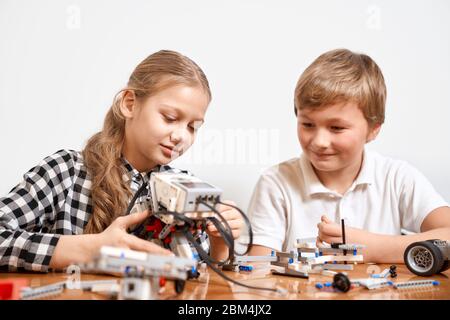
267 213
417 197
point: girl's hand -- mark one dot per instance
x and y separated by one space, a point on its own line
116 235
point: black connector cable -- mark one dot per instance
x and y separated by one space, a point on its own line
247 222
136 231
207 258
227 234
227 237
136 195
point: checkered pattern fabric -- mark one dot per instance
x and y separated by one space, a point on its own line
53 199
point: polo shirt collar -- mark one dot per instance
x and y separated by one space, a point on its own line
312 182
314 186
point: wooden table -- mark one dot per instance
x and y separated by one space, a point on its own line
210 286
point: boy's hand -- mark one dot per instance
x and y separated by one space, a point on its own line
116 235
330 232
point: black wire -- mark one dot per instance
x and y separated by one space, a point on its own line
136 195
208 258
247 222
138 228
228 235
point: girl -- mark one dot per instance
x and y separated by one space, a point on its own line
72 203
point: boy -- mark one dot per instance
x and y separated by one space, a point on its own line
339 104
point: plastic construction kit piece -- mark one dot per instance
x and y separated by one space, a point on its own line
425 258
332 259
383 274
137 288
43 291
330 256
416 284
284 259
290 273
335 266
130 263
240 261
121 261
10 288
243 259
393 271
245 268
319 285
341 282
328 273
179 193
96 285
327 258
325 286
372 283
54 289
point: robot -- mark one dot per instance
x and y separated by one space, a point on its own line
181 207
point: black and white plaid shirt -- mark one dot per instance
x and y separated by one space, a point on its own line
53 199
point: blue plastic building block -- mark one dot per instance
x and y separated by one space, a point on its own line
245 268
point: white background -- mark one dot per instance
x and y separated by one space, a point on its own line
61 62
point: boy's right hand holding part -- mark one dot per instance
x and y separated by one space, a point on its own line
83 248
384 248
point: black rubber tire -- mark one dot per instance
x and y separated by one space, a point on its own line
428 248
179 285
341 282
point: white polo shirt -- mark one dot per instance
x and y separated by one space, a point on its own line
387 195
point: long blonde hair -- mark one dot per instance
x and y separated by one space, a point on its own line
110 193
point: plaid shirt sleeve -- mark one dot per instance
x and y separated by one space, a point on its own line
29 209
